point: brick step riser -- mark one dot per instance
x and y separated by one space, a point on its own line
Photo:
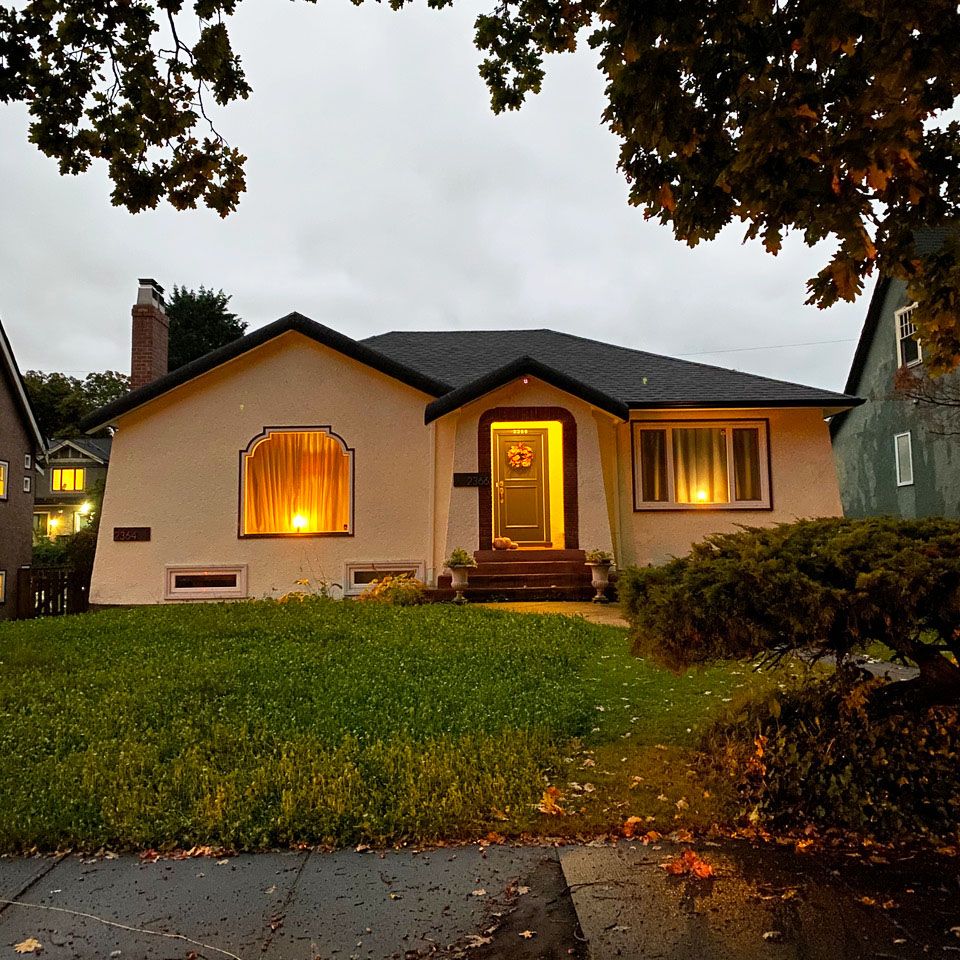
481 582
516 593
527 556
566 567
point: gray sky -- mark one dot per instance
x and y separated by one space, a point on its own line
384 194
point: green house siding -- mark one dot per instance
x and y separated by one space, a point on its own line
863 439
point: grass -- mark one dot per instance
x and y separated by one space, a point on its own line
261 724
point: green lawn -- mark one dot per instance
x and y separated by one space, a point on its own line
262 723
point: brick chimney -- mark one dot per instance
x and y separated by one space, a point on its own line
150 335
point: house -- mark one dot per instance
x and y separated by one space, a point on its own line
21 446
892 455
297 452
68 492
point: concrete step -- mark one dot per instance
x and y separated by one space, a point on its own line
500 568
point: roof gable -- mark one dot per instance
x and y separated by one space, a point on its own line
20 398
294 322
91 448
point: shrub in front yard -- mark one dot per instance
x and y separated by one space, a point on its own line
831 586
816 754
401 591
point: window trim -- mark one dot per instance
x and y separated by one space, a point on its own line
3 586
896 458
74 470
5 474
352 589
172 592
765 503
27 485
896 329
27 461
263 435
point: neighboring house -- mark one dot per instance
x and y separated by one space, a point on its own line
298 452
891 459
68 492
21 444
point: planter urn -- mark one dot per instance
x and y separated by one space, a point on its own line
600 580
458 580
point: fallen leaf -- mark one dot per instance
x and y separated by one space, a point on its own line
29 946
479 892
688 863
773 935
527 934
629 827
549 803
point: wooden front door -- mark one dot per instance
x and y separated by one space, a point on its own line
521 499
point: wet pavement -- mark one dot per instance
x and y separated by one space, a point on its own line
512 902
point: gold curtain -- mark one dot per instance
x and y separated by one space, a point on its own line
297 482
700 465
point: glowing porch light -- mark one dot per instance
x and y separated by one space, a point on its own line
299 521
86 507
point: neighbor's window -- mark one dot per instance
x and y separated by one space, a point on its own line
3 586
903 451
296 482
68 479
4 479
700 464
908 347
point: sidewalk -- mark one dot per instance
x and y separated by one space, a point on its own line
484 902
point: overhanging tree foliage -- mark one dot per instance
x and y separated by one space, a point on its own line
827 587
61 402
825 117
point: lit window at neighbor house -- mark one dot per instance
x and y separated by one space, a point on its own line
4 479
68 479
296 482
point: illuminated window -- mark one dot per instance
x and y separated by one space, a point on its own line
707 464
3 586
908 346
4 479
68 479
296 482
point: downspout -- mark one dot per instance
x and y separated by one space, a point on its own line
618 548
431 569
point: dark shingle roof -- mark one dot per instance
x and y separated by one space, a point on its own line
633 378
458 366
98 447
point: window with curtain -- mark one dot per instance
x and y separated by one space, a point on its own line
296 482
68 479
700 464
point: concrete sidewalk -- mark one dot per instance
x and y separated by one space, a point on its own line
484 902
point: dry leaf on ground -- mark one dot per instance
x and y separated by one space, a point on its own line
688 863
31 945
549 803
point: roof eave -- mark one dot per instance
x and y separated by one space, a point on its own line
834 402
523 366
292 322
20 389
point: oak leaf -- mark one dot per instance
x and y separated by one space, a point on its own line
31 945
549 803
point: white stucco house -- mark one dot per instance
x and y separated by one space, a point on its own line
298 452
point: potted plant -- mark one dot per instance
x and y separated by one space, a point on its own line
459 563
599 562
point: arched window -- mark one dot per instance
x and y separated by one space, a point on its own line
296 482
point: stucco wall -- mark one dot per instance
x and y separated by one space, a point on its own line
16 512
175 468
463 526
864 444
803 484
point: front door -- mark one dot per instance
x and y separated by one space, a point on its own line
520 495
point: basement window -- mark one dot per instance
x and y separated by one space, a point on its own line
296 481
361 575
205 583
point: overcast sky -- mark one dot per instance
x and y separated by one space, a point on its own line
384 194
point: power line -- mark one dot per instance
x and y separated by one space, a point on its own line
772 346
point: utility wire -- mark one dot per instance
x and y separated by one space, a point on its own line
772 346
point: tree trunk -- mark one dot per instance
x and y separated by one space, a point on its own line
937 685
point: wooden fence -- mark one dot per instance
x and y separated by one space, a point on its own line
51 591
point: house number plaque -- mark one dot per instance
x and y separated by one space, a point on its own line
471 479
131 534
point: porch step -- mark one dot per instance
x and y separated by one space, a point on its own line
489 595
480 579
500 568
527 556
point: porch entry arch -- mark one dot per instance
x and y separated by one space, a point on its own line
571 512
